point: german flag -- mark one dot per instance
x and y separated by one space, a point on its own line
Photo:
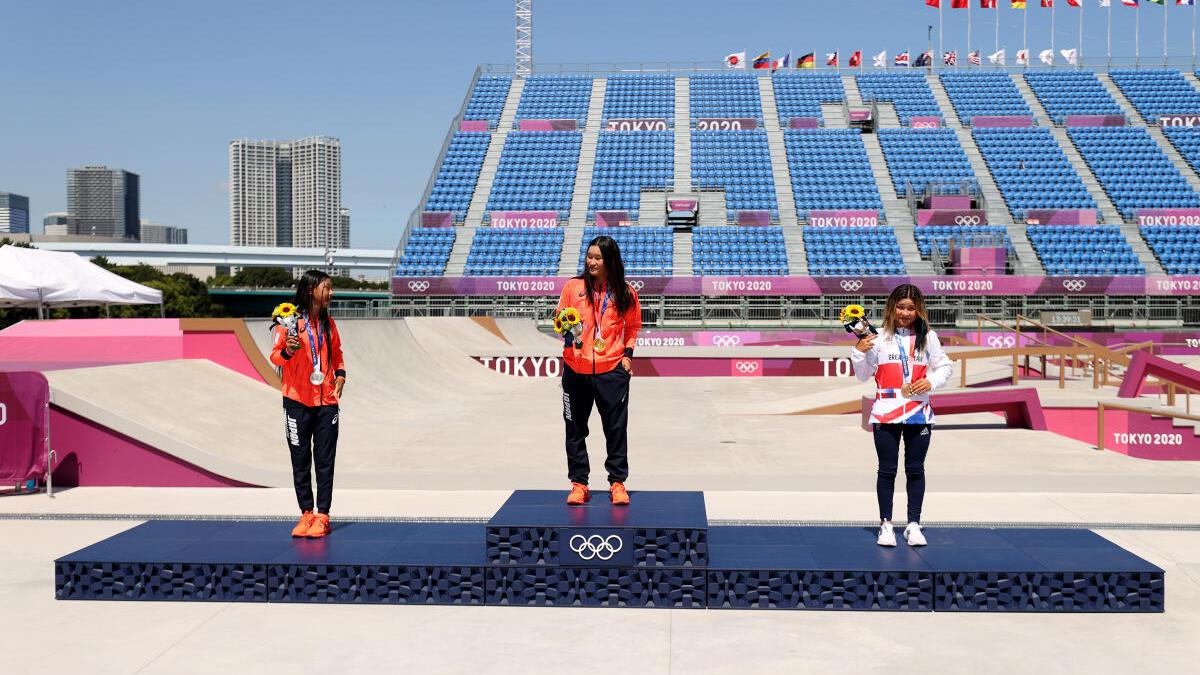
1018 4
806 61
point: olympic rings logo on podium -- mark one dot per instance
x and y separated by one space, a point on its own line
726 340
596 546
851 284
746 367
1074 284
418 286
1002 341
966 220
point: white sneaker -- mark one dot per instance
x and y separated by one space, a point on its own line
914 536
887 535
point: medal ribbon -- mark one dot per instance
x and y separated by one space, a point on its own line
603 309
314 345
903 354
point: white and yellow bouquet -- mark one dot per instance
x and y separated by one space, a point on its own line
288 316
569 324
854 319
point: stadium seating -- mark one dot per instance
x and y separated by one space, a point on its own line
830 170
1157 92
740 163
487 101
732 251
725 96
536 172
929 236
561 97
1132 169
801 94
909 92
1177 247
626 162
1083 250
921 157
842 251
455 182
983 93
426 252
646 251
1031 170
1071 92
509 252
1187 141
639 97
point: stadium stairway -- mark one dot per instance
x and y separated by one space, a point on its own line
457 262
835 116
1108 211
1133 235
1135 117
943 100
587 154
683 136
1177 159
491 162
853 94
793 246
899 217
568 261
1040 116
681 255
779 164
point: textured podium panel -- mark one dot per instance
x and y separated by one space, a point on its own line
657 529
596 586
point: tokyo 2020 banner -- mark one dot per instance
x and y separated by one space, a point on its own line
814 286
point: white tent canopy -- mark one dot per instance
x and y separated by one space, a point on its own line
37 278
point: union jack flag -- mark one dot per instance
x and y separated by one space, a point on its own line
950 58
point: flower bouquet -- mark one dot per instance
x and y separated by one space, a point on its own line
569 324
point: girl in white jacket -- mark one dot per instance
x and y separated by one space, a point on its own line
907 361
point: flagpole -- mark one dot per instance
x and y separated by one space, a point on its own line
1108 49
1053 13
1025 35
1079 47
997 8
941 44
1137 36
1193 36
1166 57
968 30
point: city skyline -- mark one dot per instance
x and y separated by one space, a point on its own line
286 193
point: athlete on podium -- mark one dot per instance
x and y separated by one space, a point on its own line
598 364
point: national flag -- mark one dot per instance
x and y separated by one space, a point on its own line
987 4
924 60
1047 3
1158 2
856 60
807 61
831 59
1185 2
950 58
1075 3
1018 4
973 58
997 58
934 3
879 60
1106 3
901 59
1022 57
763 60
1047 57
959 4
1129 3
736 60
784 62
1070 55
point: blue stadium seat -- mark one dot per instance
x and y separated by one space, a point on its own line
1157 92
929 236
455 181
1087 250
646 251
908 92
740 163
985 92
1031 170
487 100
852 251
536 172
830 170
1071 92
426 252
626 162
724 250
1132 169
560 97
1176 246
512 252
639 97
725 96
923 157
801 94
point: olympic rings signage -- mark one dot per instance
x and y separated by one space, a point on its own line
960 217
596 547
1074 285
851 284
1001 341
726 340
418 286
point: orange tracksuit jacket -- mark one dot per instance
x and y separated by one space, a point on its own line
298 366
619 331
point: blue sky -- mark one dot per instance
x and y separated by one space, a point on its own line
159 87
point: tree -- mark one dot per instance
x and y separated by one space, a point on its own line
264 277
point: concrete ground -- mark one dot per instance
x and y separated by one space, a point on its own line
426 433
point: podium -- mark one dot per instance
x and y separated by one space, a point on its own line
660 551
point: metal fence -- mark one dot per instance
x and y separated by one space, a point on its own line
800 311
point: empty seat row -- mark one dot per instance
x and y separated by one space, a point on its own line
646 251
426 252
739 251
918 159
841 251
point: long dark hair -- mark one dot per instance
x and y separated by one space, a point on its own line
304 298
920 324
611 254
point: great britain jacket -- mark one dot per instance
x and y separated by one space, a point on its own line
894 362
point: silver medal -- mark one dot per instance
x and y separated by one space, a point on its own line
317 378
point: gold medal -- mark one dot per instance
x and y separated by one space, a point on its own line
906 391
598 345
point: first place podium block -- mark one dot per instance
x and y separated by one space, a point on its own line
651 553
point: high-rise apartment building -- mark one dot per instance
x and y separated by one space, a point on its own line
56 224
103 202
162 234
14 214
286 193
345 225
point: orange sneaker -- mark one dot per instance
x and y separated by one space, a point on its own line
320 526
619 496
302 527
579 494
